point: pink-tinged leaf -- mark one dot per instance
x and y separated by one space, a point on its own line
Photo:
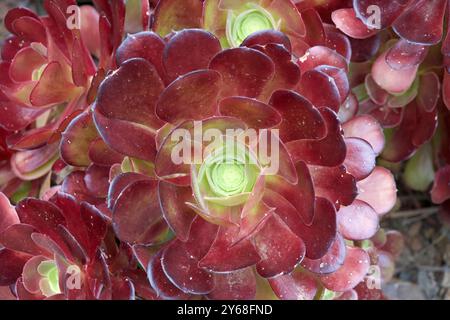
25 62
6 293
120 183
97 180
429 91
11 264
331 261
360 158
441 186
146 45
125 137
366 128
11 46
237 285
223 256
315 81
299 285
189 50
190 97
405 54
395 243
300 195
30 29
17 237
137 216
266 37
280 249
387 117
74 185
30 276
33 164
375 92
255 114
8 215
347 21
244 71
286 12
130 94
300 119
390 79
422 22
24 294
159 281
364 293
353 271
320 55
357 221
16 13
174 15
378 190
315 31
348 109
177 214
53 87
329 151
89 29
340 79
348 295
76 140
31 139
334 183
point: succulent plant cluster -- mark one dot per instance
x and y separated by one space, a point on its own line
93 204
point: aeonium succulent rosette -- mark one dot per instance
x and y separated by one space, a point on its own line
220 225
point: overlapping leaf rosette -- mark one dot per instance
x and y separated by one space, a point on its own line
226 226
47 77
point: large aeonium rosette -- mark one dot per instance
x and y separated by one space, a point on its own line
219 226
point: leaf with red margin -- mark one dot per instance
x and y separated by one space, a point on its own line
265 37
30 29
190 97
334 183
244 71
11 46
280 249
177 214
24 63
146 45
378 190
299 285
74 185
366 128
120 183
159 281
125 137
353 271
130 94
329 151
300 195
137 216
16 116
31 276
360 159
17 237
331 261
237 285
347 21
390 79
422 22
173 15
315 31
189 50
76 140
320 55
223 256
254 113
180 259
337 41
97 180
377 94
406 54
7 213
320 88
102 155
340 79
23 294
53 87
348 109
286 11
300 119
358 221
16 13
11 265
